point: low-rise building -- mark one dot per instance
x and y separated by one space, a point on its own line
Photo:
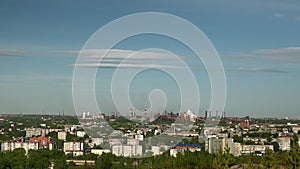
255 149
100 151
31 132
180 148
82 162
133 141
80 133
295 129
139 137
97 141
43 142
54 130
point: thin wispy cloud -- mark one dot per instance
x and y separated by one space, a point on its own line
110 65
12 52
257 69
289 54
35 78
241 56
160 66
142 59
292 17
278 15
117 54
288 50
117 58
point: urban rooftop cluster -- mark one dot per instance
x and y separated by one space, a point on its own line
70 135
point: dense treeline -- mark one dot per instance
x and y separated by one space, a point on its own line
189 160
202 160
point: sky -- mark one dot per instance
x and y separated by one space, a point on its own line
258 43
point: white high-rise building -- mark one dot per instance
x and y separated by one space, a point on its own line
74 147
127 150
284 143
155 150
213 145
62 135
10 146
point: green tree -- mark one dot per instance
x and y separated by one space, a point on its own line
238 139
249 142
268 159
105 161
224 159
15 159
293 155
275 146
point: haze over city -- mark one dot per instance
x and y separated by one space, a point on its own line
257 41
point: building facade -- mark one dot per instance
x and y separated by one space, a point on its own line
127 150
11 145
284 143
75 148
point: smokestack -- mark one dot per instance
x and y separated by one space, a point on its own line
223 116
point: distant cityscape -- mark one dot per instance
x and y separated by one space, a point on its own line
240 135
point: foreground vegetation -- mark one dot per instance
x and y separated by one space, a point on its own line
43 158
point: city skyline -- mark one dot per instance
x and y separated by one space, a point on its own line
258 43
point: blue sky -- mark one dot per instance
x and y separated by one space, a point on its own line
258 42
